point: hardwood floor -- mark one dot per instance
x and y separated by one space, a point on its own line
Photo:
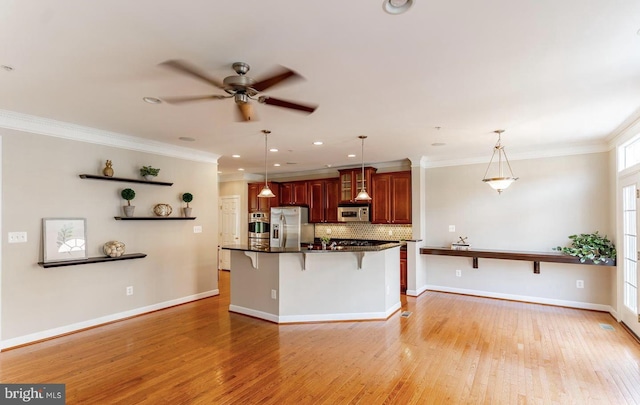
452 349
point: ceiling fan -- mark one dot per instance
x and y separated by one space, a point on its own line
241 87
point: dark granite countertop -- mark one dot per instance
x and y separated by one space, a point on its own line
315 248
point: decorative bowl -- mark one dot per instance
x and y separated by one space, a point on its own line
162 210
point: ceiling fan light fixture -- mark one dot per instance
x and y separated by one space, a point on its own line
500 182
396 6
363 195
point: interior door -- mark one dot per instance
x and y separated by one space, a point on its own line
629 252
230 228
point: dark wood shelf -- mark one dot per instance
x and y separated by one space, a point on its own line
154 218
535 257
94 177
91 260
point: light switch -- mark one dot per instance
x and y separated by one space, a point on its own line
452 228
17 237
197 229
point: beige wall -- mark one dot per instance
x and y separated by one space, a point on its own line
554 198
40 179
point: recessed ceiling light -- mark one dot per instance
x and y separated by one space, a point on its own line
273 150
328 165
235 156
351 155
152 100
7 68
396 6
276 164
317 143
438 144
187 139
241 169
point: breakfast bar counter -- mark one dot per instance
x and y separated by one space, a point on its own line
285 285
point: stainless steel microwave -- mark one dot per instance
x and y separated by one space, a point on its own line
353 214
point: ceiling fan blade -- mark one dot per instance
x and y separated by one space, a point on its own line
185 67
246 112
187 99
281 75
287 104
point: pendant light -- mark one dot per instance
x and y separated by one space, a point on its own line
266 191
363 195
500 182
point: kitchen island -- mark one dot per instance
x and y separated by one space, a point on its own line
285 285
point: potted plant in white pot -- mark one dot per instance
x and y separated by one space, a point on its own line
149 172
187 197
128 194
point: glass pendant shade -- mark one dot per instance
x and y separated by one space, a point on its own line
363 195
501 181
266 191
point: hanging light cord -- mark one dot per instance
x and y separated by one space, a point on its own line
362 153
265 158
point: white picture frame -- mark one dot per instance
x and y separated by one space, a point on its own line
64 239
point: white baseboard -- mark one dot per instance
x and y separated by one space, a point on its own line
364 316
415 293
63 330
525 298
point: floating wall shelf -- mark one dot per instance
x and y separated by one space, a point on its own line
535 257
94 177
92 260
154 218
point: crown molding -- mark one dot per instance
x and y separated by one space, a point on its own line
563 150
65 130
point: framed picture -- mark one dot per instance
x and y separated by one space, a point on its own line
64 239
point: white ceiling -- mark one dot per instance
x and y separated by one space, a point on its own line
551 73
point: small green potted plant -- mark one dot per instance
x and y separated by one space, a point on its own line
128 194
187 197
590 246
324 240
149 172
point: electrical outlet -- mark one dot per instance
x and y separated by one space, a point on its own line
452 228
458 273
579 283
17 237
328 231
197 229
274 294
390 233
130 290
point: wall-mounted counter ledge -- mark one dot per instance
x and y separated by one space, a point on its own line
153 218
92 260
535 257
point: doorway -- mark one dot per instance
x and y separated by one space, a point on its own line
229 228
629 252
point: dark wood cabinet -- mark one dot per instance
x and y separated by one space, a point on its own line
294 193
256 203
351 183
391 198
323 200
403 270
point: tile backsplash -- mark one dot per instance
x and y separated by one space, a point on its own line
364 230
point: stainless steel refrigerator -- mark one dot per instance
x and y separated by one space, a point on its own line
290 227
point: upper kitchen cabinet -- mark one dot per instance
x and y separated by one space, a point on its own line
294 193
351 183
323 200
262 204
391 198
